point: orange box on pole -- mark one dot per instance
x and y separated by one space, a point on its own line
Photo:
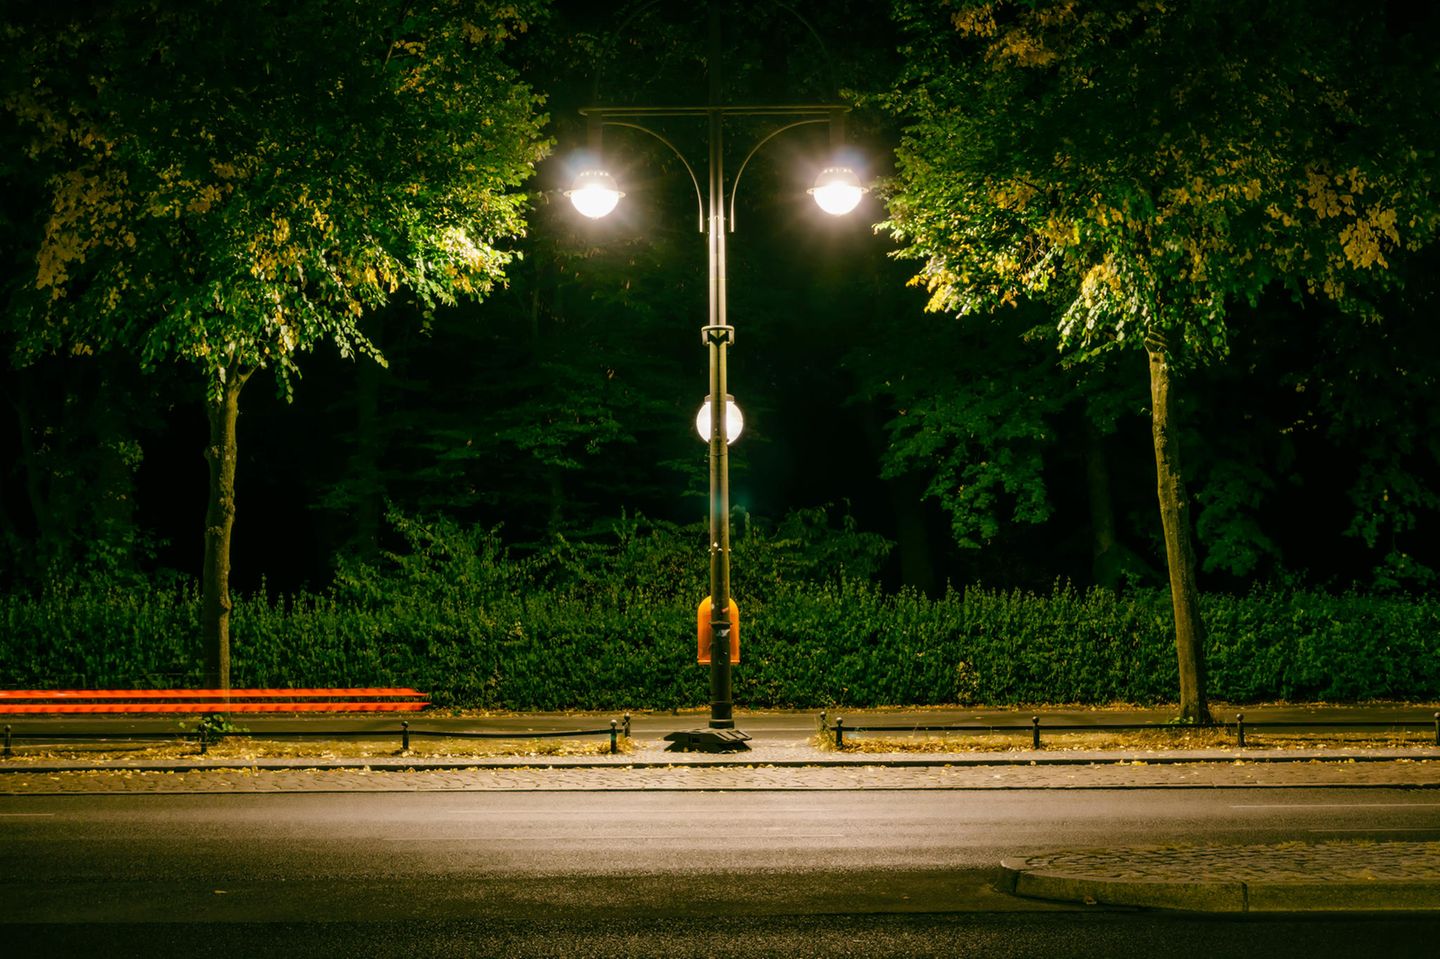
703 630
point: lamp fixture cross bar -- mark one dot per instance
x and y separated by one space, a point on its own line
722 109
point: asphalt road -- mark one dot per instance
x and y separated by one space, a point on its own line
959 936
688 873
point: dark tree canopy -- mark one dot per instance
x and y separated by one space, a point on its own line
1144 167
229 183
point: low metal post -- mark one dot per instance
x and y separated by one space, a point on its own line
204 738
839 732
404 735
823 724
627 725
1437 734
1240 729
614 732
1035 731
8 753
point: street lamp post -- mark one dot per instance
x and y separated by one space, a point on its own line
594 194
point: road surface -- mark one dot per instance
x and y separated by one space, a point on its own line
785 873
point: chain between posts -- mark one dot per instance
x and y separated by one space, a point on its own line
204 735
840 729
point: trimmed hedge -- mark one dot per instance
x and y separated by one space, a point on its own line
526 640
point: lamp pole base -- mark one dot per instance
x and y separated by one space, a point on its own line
707 741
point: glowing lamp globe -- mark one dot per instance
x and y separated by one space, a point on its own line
734 422
594 193
837 189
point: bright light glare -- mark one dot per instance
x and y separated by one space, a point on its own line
837 190
594 193
734 422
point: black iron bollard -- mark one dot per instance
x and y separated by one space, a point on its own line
1437 734
627 725
8 754
614 733
405 735
1240 729
204 739
839 732
1035 731
823 724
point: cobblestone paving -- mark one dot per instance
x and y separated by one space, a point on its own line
1326 862
1403 773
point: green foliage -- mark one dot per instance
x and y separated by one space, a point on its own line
214 727
986 412
85 633
464 621
974 414
1145 165
305 161
1376 395
1302 646
1226 523
78 424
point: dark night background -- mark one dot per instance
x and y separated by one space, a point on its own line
569 397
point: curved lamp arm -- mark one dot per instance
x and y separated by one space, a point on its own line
699 198
735 184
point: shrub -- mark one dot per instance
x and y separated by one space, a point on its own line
611 626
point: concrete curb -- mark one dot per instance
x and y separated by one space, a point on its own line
1197 881
1187 896
1227 897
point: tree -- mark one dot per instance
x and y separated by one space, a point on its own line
998 427
231 182
77 429
1145 167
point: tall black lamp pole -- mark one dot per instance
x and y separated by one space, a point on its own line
837 190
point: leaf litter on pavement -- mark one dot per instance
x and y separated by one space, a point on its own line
247 748
1160 739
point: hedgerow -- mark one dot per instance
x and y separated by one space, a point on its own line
611 626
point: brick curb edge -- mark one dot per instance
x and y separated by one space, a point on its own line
1221 897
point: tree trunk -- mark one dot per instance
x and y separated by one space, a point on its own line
34 486
14 545
1103 566
1112 562
906 495
113 496
1179 549
219 520
555 497
369 442
49 450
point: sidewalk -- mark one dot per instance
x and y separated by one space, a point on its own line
783 739
1293 877
788 726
